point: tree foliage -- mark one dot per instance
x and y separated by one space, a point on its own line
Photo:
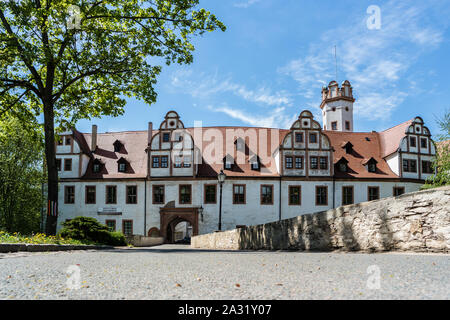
441 164
90 230
21 154
77 59
87 56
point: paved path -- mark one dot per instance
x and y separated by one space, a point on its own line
179 272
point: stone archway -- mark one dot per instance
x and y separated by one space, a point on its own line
170 217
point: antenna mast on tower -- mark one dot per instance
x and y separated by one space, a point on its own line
335 61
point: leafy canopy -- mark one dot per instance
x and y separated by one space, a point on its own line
85 57
441 163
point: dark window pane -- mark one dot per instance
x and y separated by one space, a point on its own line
131 194
111 194
158 194
294 195
347 195
323 163
289 162
321 195
314 164
210 194
90 194
266 194
185 194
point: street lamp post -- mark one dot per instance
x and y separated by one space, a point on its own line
221 178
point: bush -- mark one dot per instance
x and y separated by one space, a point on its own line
89 229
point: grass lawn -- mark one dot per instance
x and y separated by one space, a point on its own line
38 238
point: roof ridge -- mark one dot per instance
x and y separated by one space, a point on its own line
398 125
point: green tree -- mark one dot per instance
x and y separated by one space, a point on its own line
441 163
21 177
76 59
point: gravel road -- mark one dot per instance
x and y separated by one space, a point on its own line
179 272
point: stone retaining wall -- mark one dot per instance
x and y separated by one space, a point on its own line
15 247
418 221
141 241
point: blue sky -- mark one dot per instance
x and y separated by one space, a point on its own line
276 55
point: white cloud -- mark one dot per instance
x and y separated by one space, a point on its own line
276 119
246 4
203 86
375 61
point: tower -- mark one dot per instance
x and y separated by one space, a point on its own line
337 107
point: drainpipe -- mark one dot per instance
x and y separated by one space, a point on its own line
280 201
334 191
145 206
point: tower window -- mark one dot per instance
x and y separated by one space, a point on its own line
334 125
347 125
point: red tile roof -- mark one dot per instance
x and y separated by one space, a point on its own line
366 145
390 138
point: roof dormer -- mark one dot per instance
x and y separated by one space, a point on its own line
348 146
123 165
342 165
118 146
228 162
370 164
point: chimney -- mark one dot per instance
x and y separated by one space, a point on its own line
94 138
150 131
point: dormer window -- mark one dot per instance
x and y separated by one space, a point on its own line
255 163
239 143
342 165
228 162
299 137
122 165
117 146
97 166
371 165
348 147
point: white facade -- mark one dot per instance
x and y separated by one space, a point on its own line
302 175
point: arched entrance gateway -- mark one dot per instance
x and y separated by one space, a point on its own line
171 217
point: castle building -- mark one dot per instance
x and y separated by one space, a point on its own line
148 182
